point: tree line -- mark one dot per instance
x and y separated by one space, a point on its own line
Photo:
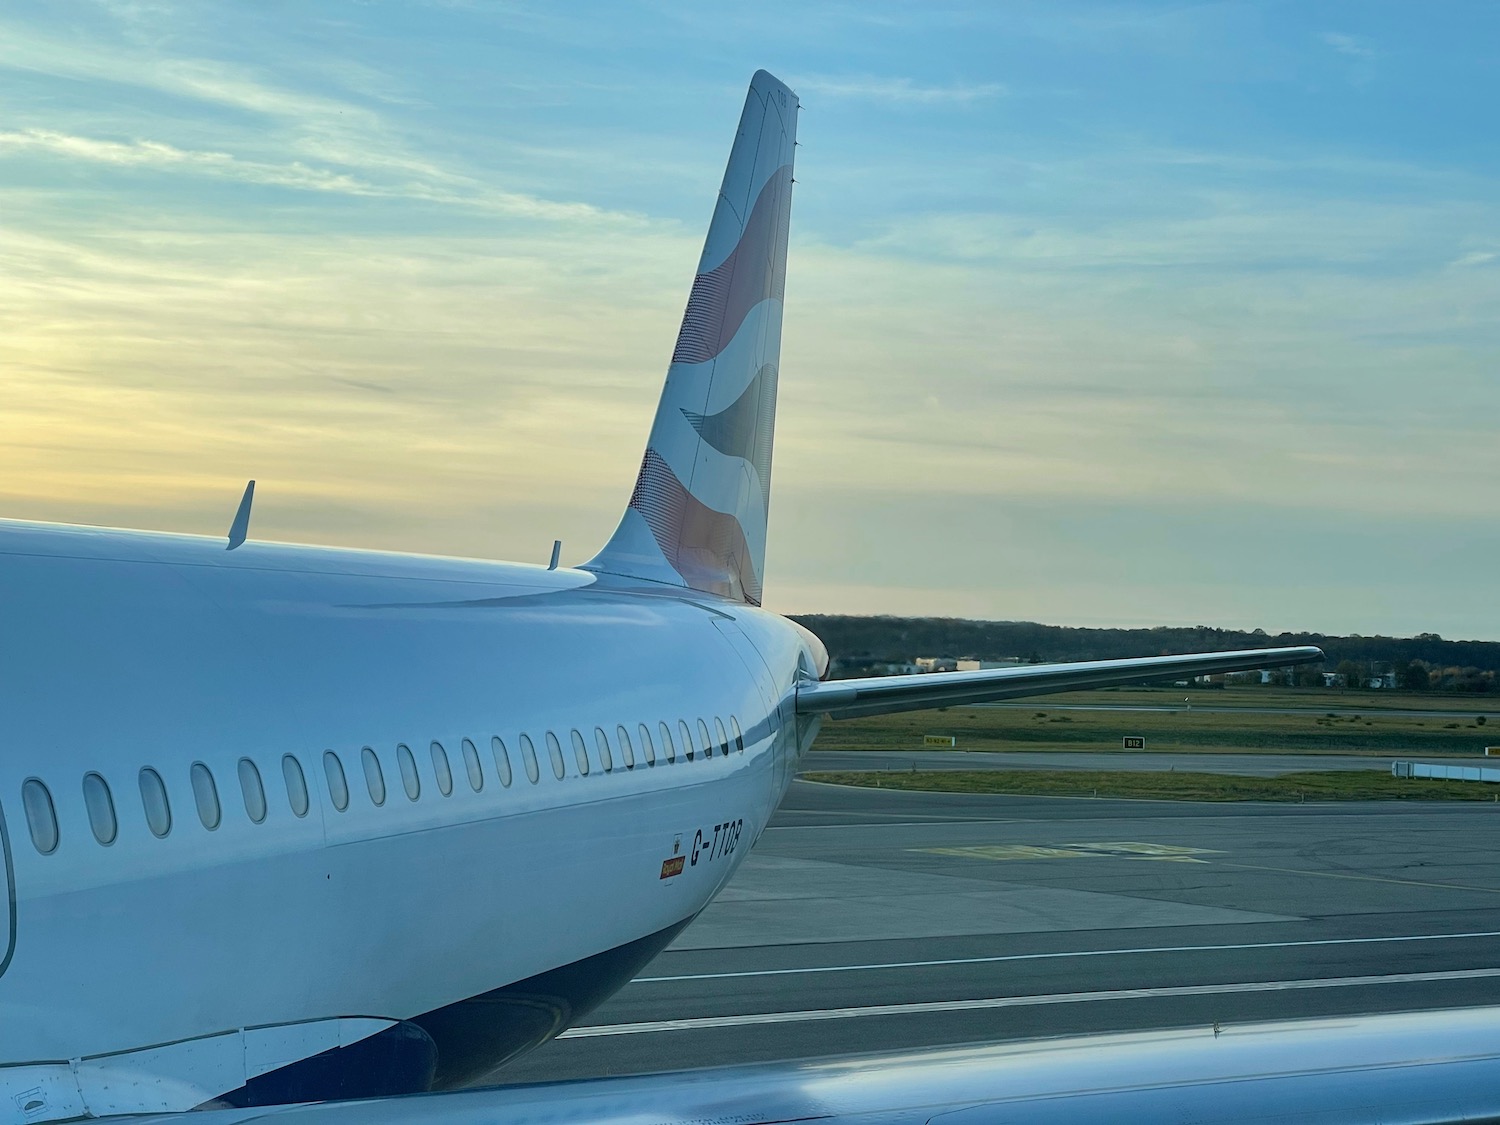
1426 661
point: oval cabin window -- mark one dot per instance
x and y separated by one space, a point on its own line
502 760
101 808
296 785
338 783
154 800
554 751
409 779
441 769
528 758
648 751
205 795
666 741
723 738
581 754
739 738
627 752
252 790
41 817
706 741
473 766
601 740
687 738
374 775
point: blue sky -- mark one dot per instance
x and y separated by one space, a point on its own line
1096 313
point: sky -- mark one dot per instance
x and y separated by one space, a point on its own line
1097 313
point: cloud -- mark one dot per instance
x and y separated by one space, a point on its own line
457 191
1350 45
159 155
1475 258
901 90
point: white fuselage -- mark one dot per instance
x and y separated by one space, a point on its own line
128 651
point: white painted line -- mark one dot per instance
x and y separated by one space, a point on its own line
705 1022
936 822
1070 954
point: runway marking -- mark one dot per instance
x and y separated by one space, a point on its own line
898 824
1072 953
707 1022
1126 849
1359 878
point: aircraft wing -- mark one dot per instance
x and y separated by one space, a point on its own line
1431 1067
881 695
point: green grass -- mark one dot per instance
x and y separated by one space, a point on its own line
1039 726
1329 785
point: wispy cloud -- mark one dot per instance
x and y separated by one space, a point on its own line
158 155
1350 45
1476 258
896 90
297 175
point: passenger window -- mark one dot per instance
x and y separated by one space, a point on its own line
666 741
601 740
442 770
648 751
581 754
101 808
154 799
739 738
528 758
338 784
723 738
253 791
374 775
687 738
473 766
409 779
554 751
502 760
205 795
41 817
706 742
627 752
296 785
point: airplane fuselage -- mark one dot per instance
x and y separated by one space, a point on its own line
392 782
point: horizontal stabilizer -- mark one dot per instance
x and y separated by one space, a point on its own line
882 695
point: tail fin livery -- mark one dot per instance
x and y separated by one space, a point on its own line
697 514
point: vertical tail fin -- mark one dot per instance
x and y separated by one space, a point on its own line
697 515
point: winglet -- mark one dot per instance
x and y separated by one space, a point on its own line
241 525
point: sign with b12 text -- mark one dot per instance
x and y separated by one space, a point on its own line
1135 742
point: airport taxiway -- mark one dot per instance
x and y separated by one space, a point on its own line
1245 765
872 920
1187 706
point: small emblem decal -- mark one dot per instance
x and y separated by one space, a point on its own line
670 867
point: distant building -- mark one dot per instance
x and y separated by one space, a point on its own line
980 665
843 668
936 664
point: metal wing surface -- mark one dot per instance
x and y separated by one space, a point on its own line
1431 1067
882 695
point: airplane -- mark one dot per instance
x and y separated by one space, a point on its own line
290 824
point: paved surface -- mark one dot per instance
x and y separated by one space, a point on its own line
871 919
1248 765
1481 707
